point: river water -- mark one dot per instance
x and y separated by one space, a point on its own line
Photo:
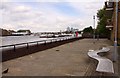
9 40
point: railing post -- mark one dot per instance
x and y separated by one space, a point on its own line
37 43
14 47
55 40
27 45
51 41
60 40
45 42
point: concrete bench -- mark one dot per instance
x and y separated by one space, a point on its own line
104 64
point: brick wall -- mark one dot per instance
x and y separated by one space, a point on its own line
114 25
119 25
113 20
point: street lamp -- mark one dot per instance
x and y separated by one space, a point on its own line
94 28
116 30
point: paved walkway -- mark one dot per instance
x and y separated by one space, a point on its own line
70 59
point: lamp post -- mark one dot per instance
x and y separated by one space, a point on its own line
94 28
116 30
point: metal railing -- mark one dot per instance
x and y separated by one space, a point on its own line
37 42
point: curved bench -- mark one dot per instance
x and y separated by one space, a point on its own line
104 64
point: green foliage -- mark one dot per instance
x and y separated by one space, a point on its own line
79 32
24 31
88 30
101 28
11 31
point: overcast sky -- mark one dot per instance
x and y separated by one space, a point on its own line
48 15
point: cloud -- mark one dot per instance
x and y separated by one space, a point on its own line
21 8
89 9
54 0
44 16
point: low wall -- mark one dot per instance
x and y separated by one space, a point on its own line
19 52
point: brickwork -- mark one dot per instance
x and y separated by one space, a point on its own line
119 25
114 24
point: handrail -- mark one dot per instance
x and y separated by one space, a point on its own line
45 41
21 43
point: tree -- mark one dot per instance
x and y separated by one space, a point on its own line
24 31
101 28
88 30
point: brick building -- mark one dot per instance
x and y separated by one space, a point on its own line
110 8
4 32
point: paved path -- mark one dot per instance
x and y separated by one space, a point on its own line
70 59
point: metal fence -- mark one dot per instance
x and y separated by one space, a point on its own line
27 44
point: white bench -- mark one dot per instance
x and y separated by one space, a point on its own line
104 64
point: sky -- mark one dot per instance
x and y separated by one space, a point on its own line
48 15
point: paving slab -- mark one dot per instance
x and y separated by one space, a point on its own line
69 59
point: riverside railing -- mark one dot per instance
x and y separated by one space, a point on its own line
14 46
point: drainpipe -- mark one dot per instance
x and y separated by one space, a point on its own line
94 28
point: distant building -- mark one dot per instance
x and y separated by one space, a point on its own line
71 30
110 8
21 32
68 29
4 32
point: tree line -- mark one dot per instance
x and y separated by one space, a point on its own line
101 29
